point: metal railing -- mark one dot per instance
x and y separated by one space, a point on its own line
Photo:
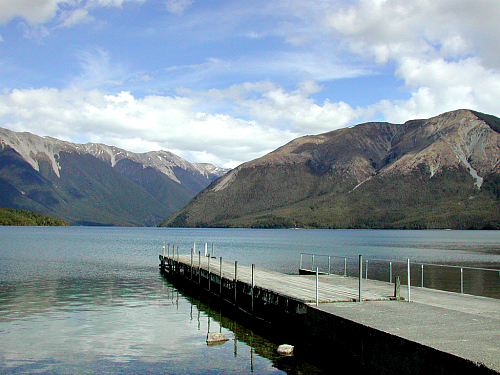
461 279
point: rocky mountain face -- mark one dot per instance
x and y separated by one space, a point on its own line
96 184
442 172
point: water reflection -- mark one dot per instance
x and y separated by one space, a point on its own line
127 325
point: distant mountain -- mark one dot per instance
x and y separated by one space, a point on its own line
441 172
96 184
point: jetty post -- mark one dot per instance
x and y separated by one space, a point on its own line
360 278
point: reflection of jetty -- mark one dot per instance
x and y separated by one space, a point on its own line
439 332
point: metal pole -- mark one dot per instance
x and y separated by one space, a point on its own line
235 280
209 276
390 272
366 271
345 266
317 286
409 280
191 266
422 281
461 280
301 254
360 278
194 247
329 265
253 281
199 268
312 262
213 250
206 249
220 277
163 248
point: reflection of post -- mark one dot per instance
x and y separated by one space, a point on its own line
235 347
251 359
199 321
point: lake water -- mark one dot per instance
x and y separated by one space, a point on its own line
91 300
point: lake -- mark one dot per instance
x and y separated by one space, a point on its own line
91 299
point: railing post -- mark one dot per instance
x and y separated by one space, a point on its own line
235 281
220 277
422 281
390 272
317 286
360 278
345 266
199 268
312 262
191 266
329 265
461 280
366 271
209 276
409 280
253 282
300 267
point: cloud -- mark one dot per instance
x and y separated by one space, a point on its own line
97 69
446 51
74 17
39 12
34 12
169 122
178 6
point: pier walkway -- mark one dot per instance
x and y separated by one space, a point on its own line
434 328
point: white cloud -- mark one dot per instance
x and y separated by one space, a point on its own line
97 69
445 51
35 12
74 17
39 12
178 6
153 122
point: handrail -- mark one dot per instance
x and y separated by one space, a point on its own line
317 259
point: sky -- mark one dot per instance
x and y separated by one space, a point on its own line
227 81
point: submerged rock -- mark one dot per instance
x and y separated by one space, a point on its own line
216 338
285 349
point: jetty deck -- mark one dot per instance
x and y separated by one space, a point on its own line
435 332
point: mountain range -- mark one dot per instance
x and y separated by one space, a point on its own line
442 172
96 184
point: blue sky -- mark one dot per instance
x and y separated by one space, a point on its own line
228 81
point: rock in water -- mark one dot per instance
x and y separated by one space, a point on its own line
285 349
216 338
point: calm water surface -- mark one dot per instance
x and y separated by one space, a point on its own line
91 300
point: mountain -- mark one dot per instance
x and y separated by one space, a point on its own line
96 184
441 172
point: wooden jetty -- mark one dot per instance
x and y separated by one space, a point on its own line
439 332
